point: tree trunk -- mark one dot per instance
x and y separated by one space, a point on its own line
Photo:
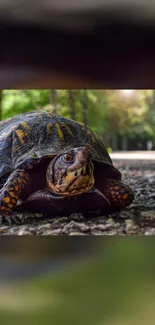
85 107
153 98
124 143
114 142
71 97
106 140
53 100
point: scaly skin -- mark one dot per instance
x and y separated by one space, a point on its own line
118 193
10 193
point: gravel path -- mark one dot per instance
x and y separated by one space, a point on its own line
138 219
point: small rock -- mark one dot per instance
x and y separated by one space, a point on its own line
129 224
116 225
45 226
97 233
150 214
67 227
77 217
101 227
75 233
75 225
110 221
132 232
51 232
101 220
149 232
148 176
112 232
24 232
58 221
82 226
4 228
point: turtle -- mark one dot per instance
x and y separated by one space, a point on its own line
56 165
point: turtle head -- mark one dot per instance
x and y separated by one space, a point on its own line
71 173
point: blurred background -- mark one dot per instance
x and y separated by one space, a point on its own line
123 118
84 44
77 280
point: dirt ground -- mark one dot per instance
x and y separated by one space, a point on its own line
138 219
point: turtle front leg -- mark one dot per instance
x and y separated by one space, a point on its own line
12 190
113 195
118 193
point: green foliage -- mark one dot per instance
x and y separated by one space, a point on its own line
110 113
109 150
114 287
20 101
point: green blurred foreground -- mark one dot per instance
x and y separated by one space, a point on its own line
114 287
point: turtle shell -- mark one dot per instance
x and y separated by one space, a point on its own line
28 137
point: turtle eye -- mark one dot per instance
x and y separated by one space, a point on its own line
67 157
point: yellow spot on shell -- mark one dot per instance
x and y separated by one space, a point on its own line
2 208
67 128
10 205
125 196
6 199
20 180
49 128
17 188
13 201
21 135
81 123
91 134
24 181
60 133
93 138
25 126
12 194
